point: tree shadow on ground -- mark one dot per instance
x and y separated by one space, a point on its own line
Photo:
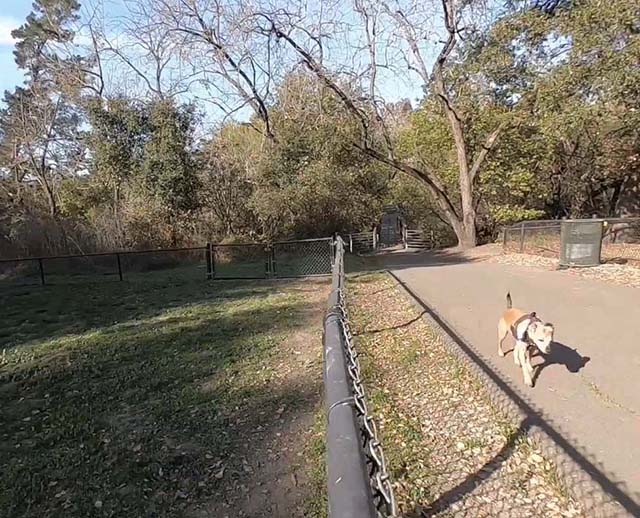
139 418
487 503
48 312
383 329
413 259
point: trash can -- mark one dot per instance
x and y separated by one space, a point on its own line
580 242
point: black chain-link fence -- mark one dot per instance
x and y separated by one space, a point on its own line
358 483
214 261
620 239
302 258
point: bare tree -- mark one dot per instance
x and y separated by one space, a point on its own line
406 29
215 42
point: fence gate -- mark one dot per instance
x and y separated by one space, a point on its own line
302 258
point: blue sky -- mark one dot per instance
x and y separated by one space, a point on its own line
14 12
12 16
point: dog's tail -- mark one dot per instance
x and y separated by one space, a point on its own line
509 303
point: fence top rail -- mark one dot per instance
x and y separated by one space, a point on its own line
228 245
557 222
542 227
102 254
294 241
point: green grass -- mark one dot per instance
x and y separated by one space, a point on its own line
120 399
316 505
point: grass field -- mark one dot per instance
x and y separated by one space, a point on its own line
159 398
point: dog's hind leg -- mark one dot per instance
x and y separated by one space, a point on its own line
503 330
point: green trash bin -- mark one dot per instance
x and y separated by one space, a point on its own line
580 242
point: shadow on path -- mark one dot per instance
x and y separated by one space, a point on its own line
561 354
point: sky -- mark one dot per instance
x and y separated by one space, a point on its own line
12 16
14 13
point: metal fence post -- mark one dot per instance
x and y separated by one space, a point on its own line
41 271
522 237
212 260
350 244
270 262
208 260
119 266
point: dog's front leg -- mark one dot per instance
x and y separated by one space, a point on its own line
517 352
527 369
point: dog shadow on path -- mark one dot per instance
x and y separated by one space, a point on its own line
560 354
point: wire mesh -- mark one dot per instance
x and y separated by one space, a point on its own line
248 261
187 263
541 239
621 241
81 268
303 258
19 273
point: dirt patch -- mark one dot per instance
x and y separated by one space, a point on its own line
450 452
267 473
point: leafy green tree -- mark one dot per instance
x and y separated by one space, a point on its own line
41 137
312 181
168 166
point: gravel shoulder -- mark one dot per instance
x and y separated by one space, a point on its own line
450 452
620 274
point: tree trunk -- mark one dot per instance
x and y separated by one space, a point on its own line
51 199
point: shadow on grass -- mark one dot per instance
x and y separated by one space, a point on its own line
391 328
46 312
472 483
138 418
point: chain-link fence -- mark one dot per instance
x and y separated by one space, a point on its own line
620 241
358 483
181 263
246 261
214 261
302 258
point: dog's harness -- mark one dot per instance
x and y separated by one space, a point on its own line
524 335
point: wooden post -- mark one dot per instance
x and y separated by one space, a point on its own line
504 238
41 271
119 266
522 237
209 261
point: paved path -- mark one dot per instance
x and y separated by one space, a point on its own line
597 408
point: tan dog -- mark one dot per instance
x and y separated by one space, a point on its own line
528 331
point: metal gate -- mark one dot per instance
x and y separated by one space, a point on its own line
302 258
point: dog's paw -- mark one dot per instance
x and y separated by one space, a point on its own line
529 383
500 353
